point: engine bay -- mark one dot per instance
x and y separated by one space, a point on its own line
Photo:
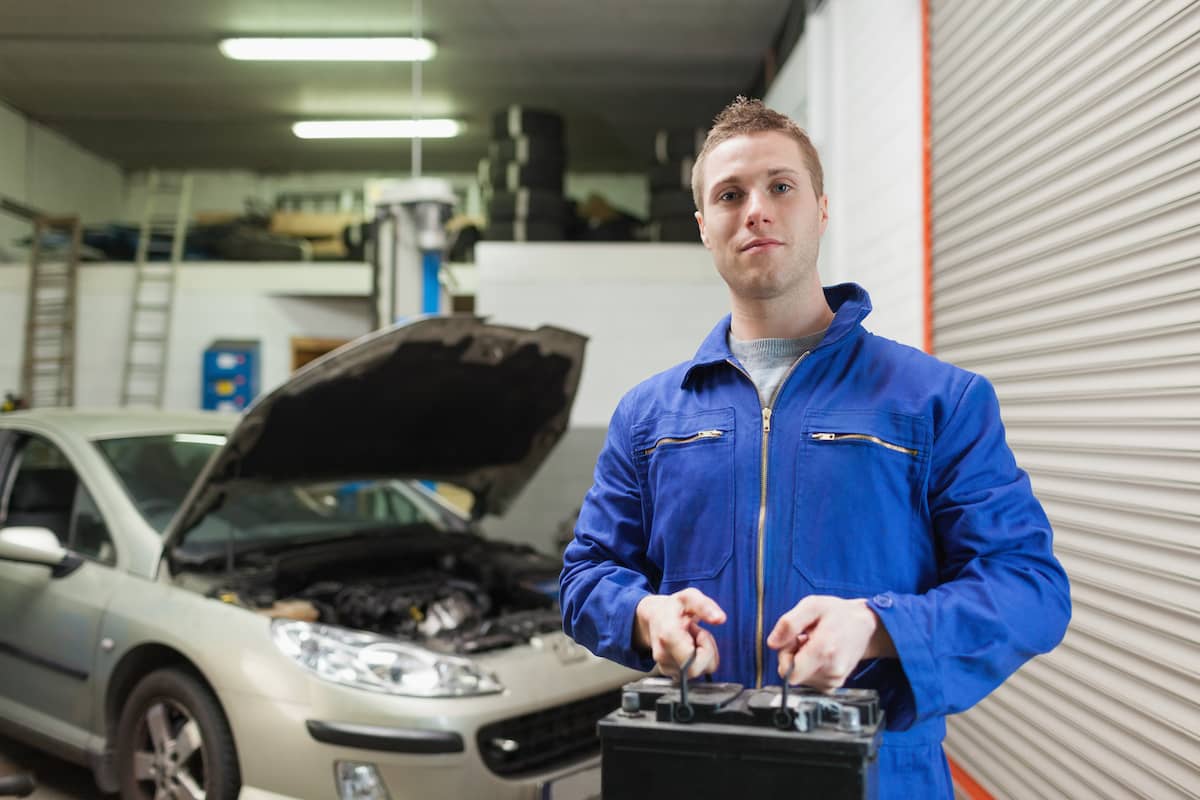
452 593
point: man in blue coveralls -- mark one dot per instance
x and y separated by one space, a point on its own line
803 497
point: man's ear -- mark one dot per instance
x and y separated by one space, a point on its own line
823 210
700 222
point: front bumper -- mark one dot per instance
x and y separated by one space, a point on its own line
281 760
421 748
389 740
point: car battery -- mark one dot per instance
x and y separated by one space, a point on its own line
721 740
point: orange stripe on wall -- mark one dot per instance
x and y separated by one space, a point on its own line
962 780
966 783
927 173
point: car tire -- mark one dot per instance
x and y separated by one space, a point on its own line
517 121
672 204
528 205
509 176
172 732
674 145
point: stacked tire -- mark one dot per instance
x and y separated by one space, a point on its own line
671 203
523 176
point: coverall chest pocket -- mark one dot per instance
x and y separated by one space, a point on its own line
686 465
859 485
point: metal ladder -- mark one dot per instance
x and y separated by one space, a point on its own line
148 343
48 365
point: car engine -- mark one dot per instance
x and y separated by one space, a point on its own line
438 610
472 597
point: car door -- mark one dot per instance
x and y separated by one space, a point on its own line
49 625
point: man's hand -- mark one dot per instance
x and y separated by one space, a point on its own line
669 627
825 637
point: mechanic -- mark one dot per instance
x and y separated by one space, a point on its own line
806 497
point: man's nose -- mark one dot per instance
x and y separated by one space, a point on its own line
758 209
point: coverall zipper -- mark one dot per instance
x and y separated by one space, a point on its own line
713 434
762 516
863 437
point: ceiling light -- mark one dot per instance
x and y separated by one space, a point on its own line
397 48
379 129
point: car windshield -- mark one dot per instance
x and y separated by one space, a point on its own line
158 471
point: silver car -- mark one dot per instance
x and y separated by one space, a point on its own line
276 606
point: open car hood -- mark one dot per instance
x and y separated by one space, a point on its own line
452 399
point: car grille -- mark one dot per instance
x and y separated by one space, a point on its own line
545 739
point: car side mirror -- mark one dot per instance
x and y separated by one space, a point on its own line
33 545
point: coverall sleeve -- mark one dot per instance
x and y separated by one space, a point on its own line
1002 597
605 569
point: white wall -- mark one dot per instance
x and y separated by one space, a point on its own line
13 182
267 302
854 83
789 92
644 307
64 178
43 169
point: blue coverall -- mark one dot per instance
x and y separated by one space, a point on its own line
887 477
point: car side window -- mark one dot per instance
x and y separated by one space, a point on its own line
398 508
89 533
381 502
45 492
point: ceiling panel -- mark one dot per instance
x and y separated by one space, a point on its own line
141 81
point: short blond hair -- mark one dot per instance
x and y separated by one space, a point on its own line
743 116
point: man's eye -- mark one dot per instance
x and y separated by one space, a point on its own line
783 188
727 196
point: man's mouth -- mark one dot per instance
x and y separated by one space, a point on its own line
759 245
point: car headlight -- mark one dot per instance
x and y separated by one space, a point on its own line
366 661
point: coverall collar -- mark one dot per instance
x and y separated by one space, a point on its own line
849 301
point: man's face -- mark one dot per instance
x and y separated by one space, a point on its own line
761 218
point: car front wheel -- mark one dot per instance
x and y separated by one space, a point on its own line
173 742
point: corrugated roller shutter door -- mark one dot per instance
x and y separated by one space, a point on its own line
1066 269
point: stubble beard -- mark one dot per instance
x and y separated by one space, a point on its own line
784 275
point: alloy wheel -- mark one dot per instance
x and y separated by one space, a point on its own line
169 758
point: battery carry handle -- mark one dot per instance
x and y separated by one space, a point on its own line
784 717
683 711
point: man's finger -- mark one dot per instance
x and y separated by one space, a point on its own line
707 657
809 665
697 604
795 622
786 660
679 648
822 664
787 657
663 660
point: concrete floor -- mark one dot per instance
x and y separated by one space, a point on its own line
56 779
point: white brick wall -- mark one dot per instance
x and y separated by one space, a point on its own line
643 307
43 169
214 300
13 183
860 93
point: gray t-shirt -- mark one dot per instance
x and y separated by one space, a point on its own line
768 360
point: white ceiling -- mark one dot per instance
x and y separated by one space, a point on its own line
141 81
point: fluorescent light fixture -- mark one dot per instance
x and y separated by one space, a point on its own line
362 48
379 129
